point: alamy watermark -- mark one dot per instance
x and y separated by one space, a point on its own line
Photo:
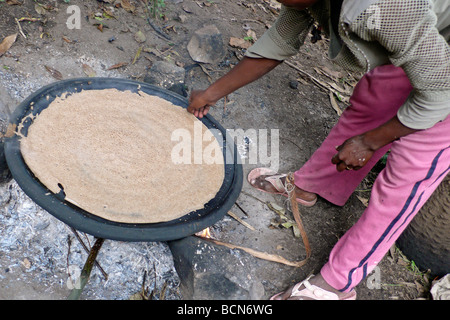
254 146
374 19
373 280
74 20
73 280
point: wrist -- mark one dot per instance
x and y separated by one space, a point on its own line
373 140
211 95
385 134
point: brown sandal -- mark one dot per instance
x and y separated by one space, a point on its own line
275 180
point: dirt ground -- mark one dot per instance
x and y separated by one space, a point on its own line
294 98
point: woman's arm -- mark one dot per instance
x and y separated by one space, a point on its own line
245 72
355 152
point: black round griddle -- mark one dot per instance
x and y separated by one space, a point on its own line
84 221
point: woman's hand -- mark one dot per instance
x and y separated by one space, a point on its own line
353 154
245 72
199 103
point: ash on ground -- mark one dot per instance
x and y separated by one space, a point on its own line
42 253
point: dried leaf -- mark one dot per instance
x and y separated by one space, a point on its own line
276 208
293 225
239 43
26 263
364 201
287 224
28 19
252 35
88 71
108 14
67 39
154 51
140 37
126 4
54 73
118 65
334 104
138 54
7 43
339 89
296 231
13 2
40 9
331 73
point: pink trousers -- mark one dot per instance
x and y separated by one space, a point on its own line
416 165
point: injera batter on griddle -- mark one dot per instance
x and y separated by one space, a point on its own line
111 152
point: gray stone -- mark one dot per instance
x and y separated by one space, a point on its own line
206 45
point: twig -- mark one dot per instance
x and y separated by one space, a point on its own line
69 244
292 143
317 81
162 295
321 84
253 20
86 272
158 31
243 211
156 28
20 28
240 220
206 72
334 104
252 196
87 250
28 19
260 255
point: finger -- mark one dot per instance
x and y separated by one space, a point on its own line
335 159
341 166
200 113
192 108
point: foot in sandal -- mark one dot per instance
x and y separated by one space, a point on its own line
266 180
314 288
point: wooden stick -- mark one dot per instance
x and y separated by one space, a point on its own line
240 208
260 255
240 220
252 196
86 272
298 220
20 28
87 250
